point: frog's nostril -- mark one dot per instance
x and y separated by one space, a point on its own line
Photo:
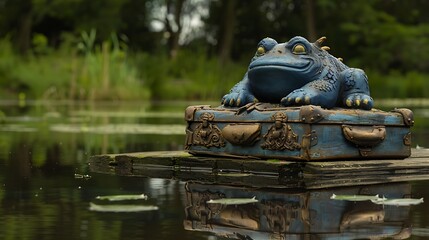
279 51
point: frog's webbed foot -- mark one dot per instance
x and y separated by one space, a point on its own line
238 99
358 100
297 97
356 89
319 93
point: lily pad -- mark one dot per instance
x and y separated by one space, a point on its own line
355 198
398 201
123 197
82 176
121 208
233 201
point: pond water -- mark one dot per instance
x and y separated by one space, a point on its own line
46 188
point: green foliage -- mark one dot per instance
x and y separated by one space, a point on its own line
102 72
40 44
84 15
42 77
388 39
190 76
7 59
86 45
398 85
67 58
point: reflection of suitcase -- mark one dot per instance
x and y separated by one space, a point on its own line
294 214
298 133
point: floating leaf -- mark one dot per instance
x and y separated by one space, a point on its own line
121 208
354 198
84 176
122 197
233 201
420 232
398 201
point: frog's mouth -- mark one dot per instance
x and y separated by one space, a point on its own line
293 64
274 78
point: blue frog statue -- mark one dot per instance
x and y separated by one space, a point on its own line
297 73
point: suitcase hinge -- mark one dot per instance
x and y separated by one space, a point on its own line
190 111
311 114
407 139
407 115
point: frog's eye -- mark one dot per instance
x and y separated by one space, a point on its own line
299 49
260 51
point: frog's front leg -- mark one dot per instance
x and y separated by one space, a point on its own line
323 92
355 92
239 95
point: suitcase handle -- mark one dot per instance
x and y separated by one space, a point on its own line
241 134
364 136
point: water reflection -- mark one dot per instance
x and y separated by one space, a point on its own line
292 214
41 197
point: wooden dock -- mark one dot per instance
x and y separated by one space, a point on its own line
263 173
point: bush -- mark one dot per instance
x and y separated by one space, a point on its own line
102 72
398 85
191 76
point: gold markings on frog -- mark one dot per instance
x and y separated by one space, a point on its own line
320 41
280 135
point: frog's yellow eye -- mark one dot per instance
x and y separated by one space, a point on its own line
299 49
260 50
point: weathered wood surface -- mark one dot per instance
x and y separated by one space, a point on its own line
264 173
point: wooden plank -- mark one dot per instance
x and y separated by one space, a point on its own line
347 173
264 173
317 183
418 160
420 153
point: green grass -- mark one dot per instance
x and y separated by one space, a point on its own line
103 73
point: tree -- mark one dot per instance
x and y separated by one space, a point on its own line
21 12
173 25
135 24
310 18
227 29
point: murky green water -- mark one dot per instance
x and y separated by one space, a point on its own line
46 188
